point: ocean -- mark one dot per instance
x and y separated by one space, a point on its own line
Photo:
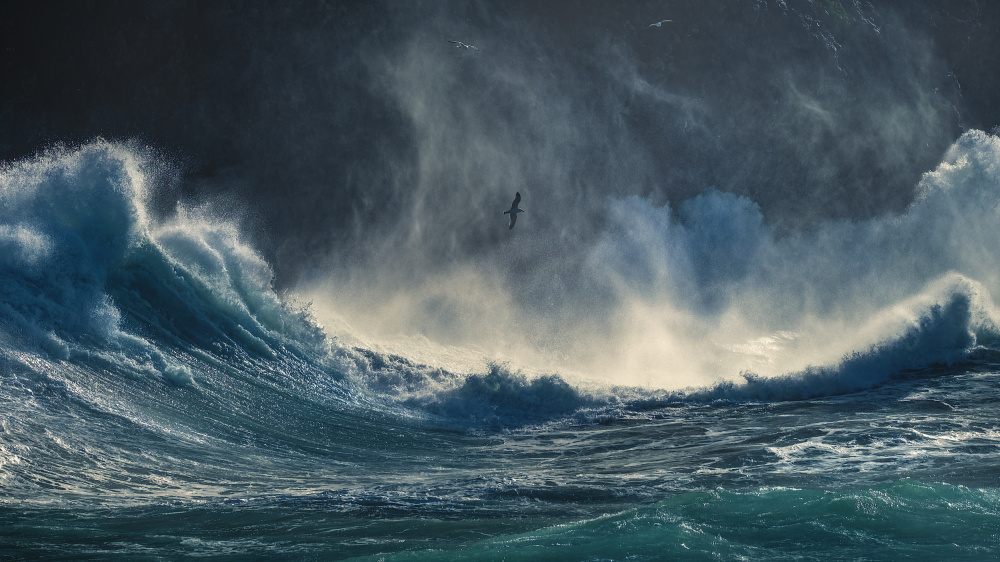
621 376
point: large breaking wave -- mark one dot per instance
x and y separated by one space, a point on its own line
704 302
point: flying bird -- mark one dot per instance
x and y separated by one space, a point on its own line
514 210
460 45
659 23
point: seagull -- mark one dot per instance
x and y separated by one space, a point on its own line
659 23
514 210
460 45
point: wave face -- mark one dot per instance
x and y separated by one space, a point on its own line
86 271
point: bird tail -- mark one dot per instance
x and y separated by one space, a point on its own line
505 212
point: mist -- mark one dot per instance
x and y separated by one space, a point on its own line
698 203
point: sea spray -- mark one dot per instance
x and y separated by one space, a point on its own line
87 273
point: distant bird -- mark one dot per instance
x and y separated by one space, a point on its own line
659 23
460 45
514 210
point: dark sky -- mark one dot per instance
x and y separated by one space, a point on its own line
316 118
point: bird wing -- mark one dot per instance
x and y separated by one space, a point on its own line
517 200
513 219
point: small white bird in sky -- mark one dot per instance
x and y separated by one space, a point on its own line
460 45
659 23
514 210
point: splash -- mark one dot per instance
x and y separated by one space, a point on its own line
88 275
694 295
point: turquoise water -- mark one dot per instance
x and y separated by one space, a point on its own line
905 519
